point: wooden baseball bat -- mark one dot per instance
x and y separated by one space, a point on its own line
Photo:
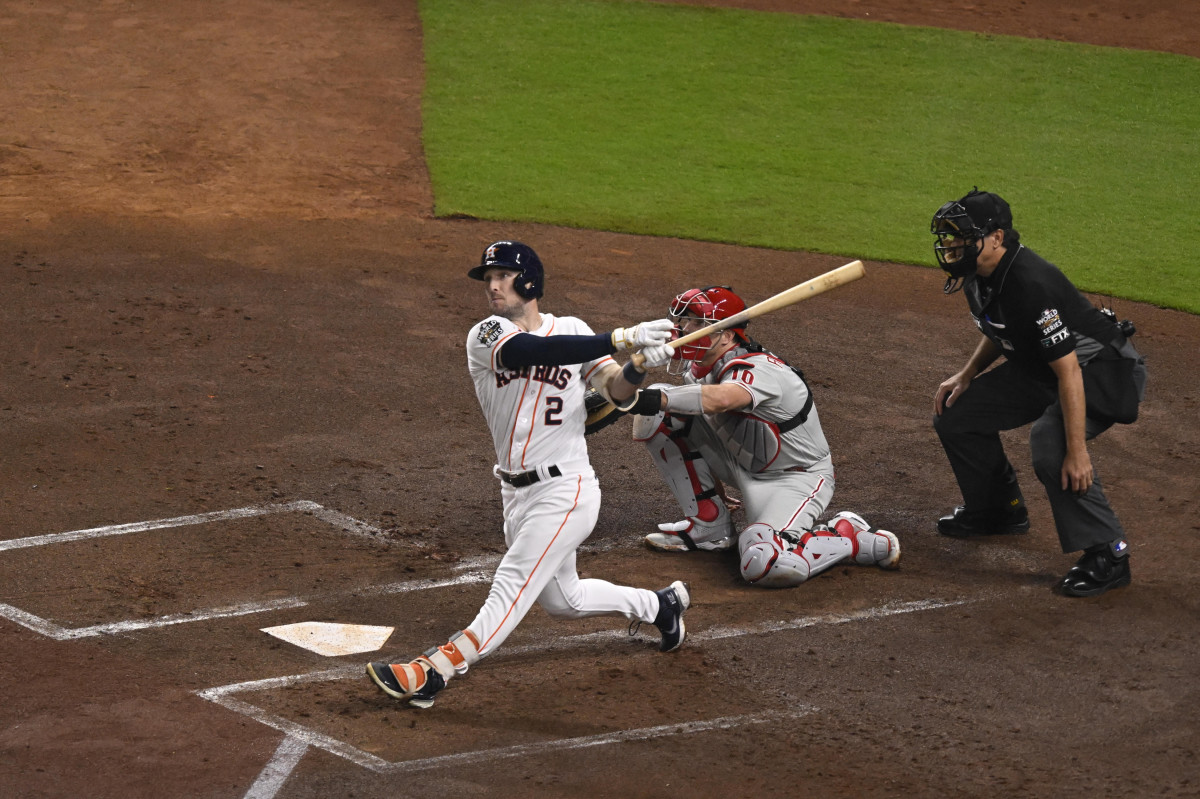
809 288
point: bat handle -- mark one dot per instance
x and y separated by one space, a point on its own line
639 362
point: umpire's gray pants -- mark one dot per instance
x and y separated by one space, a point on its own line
1004 399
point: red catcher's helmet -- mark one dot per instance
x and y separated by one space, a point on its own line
706 305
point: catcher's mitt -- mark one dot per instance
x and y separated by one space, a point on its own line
600 412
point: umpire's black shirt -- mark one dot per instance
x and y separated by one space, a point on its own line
1034 314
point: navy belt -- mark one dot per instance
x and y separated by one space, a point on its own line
522 479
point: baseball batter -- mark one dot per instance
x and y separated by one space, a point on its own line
531 371
744 417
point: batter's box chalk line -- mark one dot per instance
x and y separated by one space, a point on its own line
338 520
477 569
298 735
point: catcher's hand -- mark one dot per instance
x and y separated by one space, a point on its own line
600 412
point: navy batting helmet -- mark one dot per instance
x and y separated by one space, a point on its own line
516 256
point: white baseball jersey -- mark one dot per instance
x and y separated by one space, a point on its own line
536 413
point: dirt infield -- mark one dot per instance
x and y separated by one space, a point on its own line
233 368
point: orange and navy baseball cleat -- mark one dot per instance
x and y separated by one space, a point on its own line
418 681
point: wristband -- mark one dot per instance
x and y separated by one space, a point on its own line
632 374
646 402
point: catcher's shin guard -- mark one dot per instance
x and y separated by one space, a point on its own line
707 524
872 546
772 561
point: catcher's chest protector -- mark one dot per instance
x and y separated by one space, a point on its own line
754 443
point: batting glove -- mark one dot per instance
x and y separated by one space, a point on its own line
657 355
642 335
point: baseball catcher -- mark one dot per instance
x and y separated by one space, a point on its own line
746 418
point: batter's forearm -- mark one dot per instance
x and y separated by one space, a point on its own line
618 385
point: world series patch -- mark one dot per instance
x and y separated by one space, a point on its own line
1049 321
489 331
1051 325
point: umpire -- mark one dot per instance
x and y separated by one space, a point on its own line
1068 368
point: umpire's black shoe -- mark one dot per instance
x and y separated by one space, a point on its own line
963 523
1097 571
672 602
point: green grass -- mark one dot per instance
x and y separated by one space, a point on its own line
814 133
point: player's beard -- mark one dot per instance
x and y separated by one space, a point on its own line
513 310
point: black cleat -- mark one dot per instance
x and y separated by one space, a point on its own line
672 602
1096 572
424 696
963 523
384 675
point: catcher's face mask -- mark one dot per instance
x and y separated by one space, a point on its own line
696 309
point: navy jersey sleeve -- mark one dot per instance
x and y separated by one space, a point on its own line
524 349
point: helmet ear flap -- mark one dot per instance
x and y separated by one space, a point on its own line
519 257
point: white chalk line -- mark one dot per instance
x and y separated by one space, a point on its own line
472 567
272 778
349 523
719 633
299 738
475 570
899 608
305 735
224 695
32 622
620 736
177 521
60 633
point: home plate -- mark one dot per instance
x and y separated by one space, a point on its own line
332 640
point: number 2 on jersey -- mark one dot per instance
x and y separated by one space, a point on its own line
553 409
